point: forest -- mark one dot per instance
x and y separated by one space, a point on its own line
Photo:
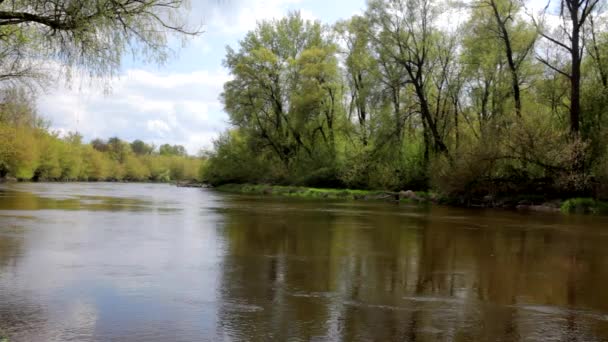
469 99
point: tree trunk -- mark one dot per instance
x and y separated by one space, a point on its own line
504 35
575 75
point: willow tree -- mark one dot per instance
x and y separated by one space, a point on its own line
91 35
285 95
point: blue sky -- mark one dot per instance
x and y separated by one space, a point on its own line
178 102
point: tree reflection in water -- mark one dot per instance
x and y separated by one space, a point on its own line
340 273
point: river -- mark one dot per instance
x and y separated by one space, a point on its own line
146 262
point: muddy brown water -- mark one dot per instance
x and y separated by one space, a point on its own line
142 262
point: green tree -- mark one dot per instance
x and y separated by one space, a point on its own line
286 94
515 37
362 73
172 150
575 16
89 34
141 148
408 37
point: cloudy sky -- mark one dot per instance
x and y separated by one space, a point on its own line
178 102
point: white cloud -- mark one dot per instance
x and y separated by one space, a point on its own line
239 16
158 126
177 108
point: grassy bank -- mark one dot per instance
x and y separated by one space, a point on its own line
529 203
304 192
328 194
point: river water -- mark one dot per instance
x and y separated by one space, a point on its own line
138 262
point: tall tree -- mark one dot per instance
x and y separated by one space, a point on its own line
514 37
570 38
284 94
361 69
407 33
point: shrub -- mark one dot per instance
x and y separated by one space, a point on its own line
584 206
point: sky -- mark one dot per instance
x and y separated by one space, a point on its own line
177 103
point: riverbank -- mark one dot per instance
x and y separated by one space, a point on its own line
304 192
531 203
405 197
179 183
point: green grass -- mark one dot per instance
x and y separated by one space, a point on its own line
584 206
303 192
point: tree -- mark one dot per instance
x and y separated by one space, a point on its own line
406 34
17 68
361 72
89 34
516 40
285 95
570 38
169 150
100 145
118 149
141 148
17 108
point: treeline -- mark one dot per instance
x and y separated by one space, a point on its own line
508 101
29 151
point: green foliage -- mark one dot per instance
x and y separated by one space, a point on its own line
584 206
90 35
135 170
175 150
393 99
304 192
141 148
96 165
28 153
25 159
284 99
233 162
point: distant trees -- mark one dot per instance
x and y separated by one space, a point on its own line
172 150
140 148
17 108
30 152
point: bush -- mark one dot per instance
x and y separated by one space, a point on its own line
234 162
584 206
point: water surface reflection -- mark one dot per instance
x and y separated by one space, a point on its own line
368 272
126 262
